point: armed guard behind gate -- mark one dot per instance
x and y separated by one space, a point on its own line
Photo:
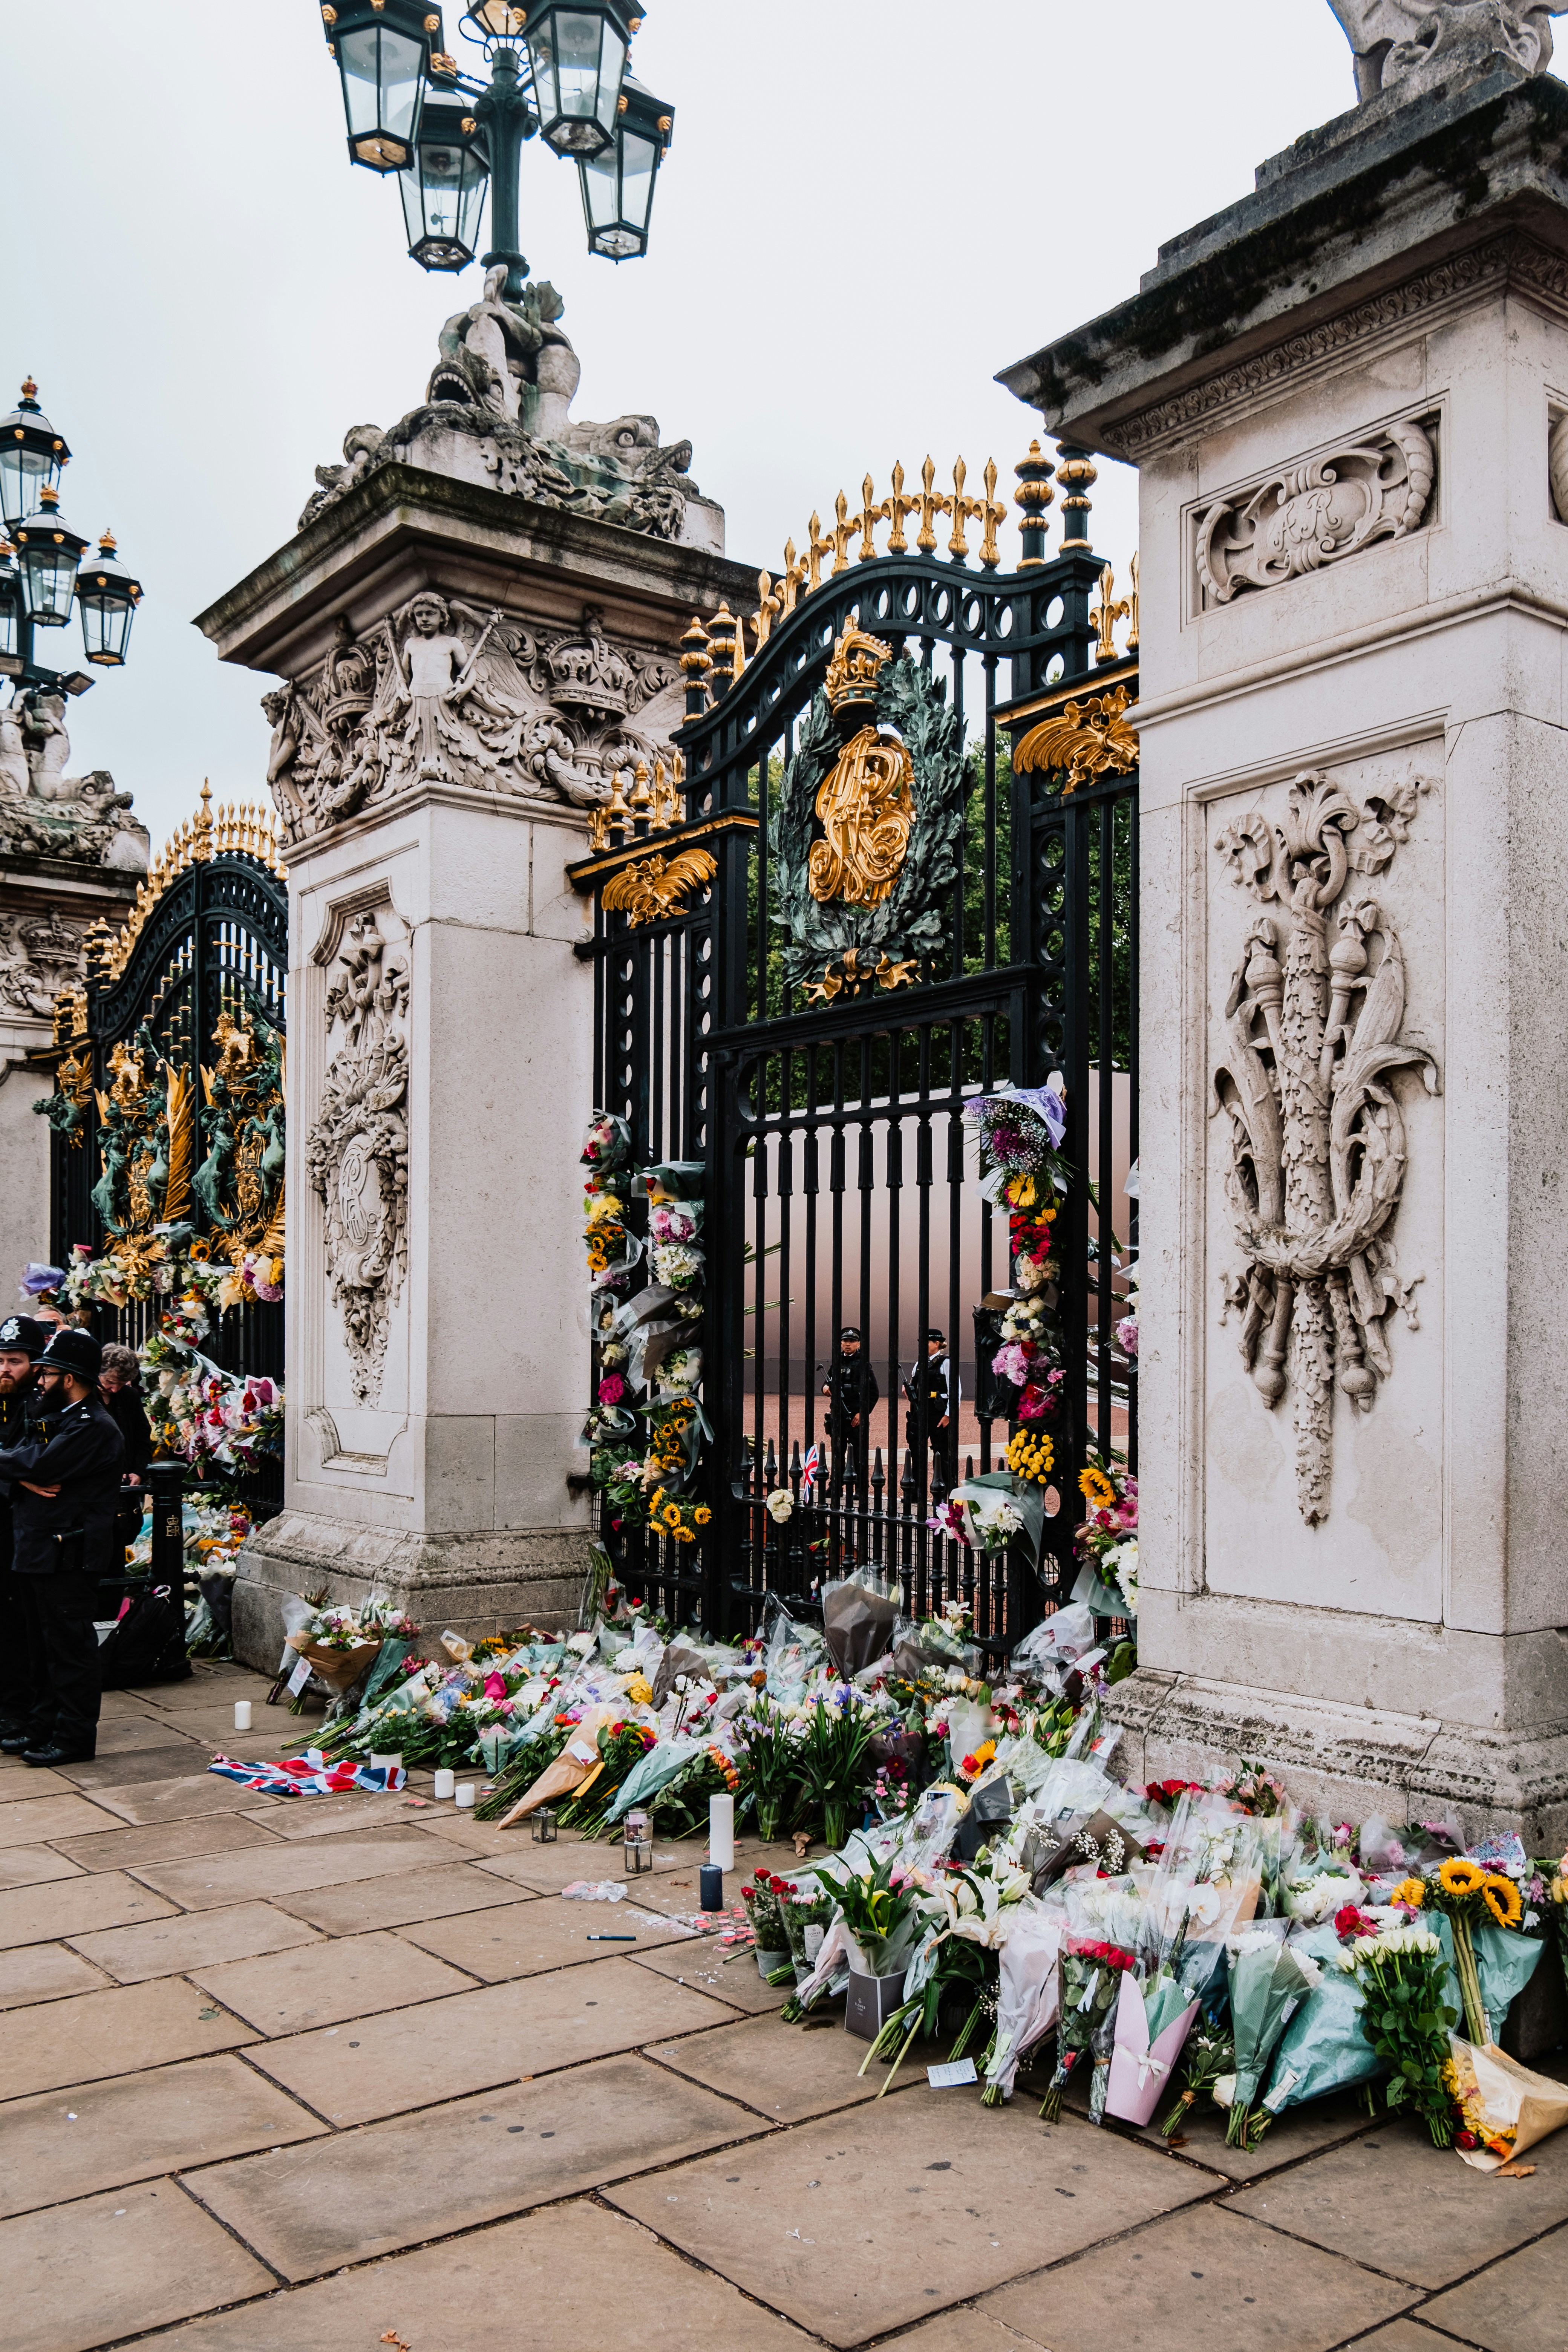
852 1396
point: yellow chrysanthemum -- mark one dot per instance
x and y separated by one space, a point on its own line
1457 1877
1411 1893
1501 1898
1096 1488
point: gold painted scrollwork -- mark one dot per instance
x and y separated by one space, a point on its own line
1089 738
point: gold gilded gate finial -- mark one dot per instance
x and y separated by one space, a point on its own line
899 505
963 510
1105 615
931 504
866 522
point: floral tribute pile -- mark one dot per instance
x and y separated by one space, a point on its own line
217 1421
645 1432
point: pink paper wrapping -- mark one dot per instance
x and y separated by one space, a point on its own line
1140 2076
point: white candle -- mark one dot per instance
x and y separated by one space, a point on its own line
465 1794
242 1715
721 1832
446 1782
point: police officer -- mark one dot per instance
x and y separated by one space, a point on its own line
852 1393
64 1478
23 1339
932 1380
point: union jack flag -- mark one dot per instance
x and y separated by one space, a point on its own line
810 1467
309 1776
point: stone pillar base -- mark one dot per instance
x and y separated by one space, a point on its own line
466 1584
1343 1763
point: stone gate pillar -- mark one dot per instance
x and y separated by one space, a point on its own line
477 631
1346 398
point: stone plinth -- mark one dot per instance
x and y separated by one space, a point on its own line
465 673
1342 397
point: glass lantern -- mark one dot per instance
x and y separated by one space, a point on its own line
109 597
10 614
617 185
543 1824
31 457
638 1844
444 188
579 57
49 553
382 50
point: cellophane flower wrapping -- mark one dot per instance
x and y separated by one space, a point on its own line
1269 1979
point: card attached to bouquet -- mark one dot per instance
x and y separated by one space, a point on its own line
949 2077
300 1678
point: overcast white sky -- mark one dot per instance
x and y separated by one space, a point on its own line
870 207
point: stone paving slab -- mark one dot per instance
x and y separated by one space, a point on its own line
526 1939
95 2034
1299 2132
369 2192
45 1972
1385 2202
322 1983
124 1848
171 1758
73 1906
548 1868
440 1893
966 2330
188 1791
865 2221
202 1884
58 2147
40 1818
21 1780
1521 2305
310 1817
444 2049
787 2076
1195 2281
702 1963
34 1866
581 2267
213 1682
193 1940
109 2266
1405 2335
118 1735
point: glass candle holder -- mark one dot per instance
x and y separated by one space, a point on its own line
543 1823
638 1844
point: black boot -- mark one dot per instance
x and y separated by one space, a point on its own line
56 1752
12 1743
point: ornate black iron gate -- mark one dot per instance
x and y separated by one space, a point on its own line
853 913
168 1105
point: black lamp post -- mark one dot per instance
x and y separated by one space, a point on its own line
41 572
560 69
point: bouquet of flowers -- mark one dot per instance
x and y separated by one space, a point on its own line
607 1143
1111 1496
805 1909
621 1746
764 1896
1404 2016
767 1740
835 1743
1209 2059
1502 2108
1268 1979
1469 1894
994 1509
1030 1356
1091 1969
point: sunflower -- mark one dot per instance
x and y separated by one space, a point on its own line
1501 1898
702 1515
1095 1489
671 1514
1457 1877
1411 1893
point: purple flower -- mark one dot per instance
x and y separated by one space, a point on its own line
1127 1333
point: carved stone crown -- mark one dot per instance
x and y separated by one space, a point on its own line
854 669
589 675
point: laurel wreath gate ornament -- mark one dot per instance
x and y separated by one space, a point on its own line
1317 1140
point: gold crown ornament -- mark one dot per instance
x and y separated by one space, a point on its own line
852 674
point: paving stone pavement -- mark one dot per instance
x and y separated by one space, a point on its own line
285 2079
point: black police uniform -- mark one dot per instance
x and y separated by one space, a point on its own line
18 1414
851 1390
64 1544
928 1378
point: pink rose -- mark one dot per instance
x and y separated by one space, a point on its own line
612 1389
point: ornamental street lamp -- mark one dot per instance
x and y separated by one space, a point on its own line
41 571
559 69
617 185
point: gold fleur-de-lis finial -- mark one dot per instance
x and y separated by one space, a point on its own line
993 513
932 503
899 505
1105 615
866 521
961 510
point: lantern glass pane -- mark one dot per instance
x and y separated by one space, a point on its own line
105 628
23 474
443 201
639 160
48 584
10 617
578 62
381 74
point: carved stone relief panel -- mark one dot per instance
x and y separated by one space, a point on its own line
441 692
1316 512
1320 1052
356 1154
